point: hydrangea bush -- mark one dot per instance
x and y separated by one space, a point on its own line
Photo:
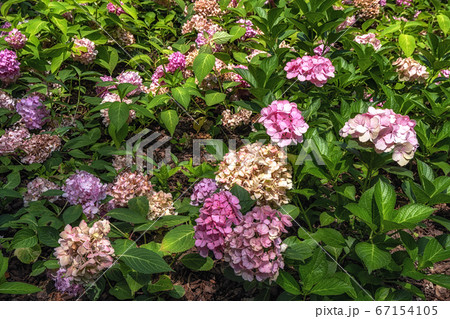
294 150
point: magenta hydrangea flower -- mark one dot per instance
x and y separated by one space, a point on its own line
382 3
404 3
103 90
385 131
86 190
33 112
202 190
83 51
16 39
115 9
315 69
133 78
218 214
254 247
5 25
176 61
284 123
9 66
159 73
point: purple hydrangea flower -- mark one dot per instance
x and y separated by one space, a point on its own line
16 39
65 283
5 25
86 190
203 190
33 112
9 66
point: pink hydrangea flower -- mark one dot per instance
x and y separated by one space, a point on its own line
218 214
202 190
86 190
348 22
404 3
115 9
36 188
254 247
177 61
12 139
33 112
9 67
249 31
83 51
5 25
315 69
16 39
443 74
133 78
103 90
382 3
284 123
321 49
369 38
385 131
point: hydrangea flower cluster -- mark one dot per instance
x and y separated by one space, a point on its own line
5 25
33 112
207 8
124 37
177 61
321 49
202 190
249 31
12 139
16 39
112 97
86 190
84 252
254 247
243 117
260 169
315 69
112 8
218 214
235 77
386 131
36 188
65 285
83 51
207 38
160 204
404 3
6 101
369 38
442 74
39 147
9 66
348 22
128 185
103 90
368 9
133 78
410 70
284 123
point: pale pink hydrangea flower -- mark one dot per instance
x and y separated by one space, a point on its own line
202 190
131 77
86 190
83 50
284 123
315 69
12 139
385 131
16 39
410 70
36 188
128 185
443 74
39 147
369 38
218 214
6 101
84 252
254 247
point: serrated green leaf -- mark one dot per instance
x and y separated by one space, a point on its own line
170 120
202 65
178 239
145 261
372 256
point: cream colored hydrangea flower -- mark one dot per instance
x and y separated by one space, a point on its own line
161 204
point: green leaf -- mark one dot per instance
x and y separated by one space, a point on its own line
244 198
163 284
72 213
122 245
127 215
290 210
170 120
203 64
444 23
118 114
213 98
288 283
433 253
145 261
407 43
372 256
197 263
409 215
221 37
330 237
314 270
18 288
178 239
236 32
28 255
385 198
165 221
297 250
121 291
24 238
177 292
49 236
333 286
182 96
139 205
3 265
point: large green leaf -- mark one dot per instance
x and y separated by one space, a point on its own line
49 236
24 238
372 256
182 96
118 113
18 288
444 22
203 64
409 215
127 215
145 261
407 43
212 98
314 270
178 239
244 198
170 119
72 213
197 262
333 286
385 198
288 283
